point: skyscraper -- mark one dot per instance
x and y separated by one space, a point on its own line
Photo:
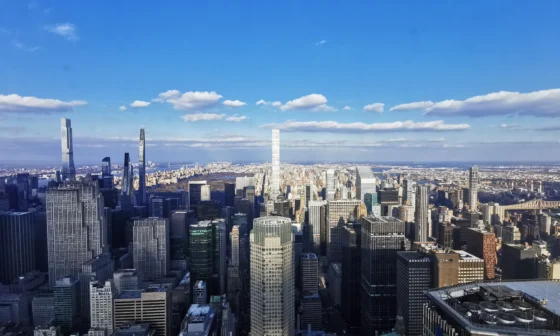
272 277
219 266
316 220
67 303
142 167
98 269
150 247
127 189
421 214
68 169
365 182
338 214
330 189
350 286
76 227
382 238
275 178
17 253
200 250
413 279
473 188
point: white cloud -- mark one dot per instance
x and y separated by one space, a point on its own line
122 108
396 140
276 104
203 117
377 107
234 103
510 126
67 30
453 146
323 108
411 145
17 103
346 108
236 118
359 127
436 140
313 102
140 103
169 94
25 47
412 106
189 100
262 102
543 103
321 42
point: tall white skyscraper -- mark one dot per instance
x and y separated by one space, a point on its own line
473 188
330 190
142 167
275 186
234 236
101 305
68 169
272 277
365 182
421 214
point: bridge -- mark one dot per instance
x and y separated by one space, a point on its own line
536 204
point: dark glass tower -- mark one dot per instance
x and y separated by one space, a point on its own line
413 279
142 167
68 169
201 251
351 259
382 238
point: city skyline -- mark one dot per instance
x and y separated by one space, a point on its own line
392 88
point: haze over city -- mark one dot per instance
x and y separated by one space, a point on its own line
376 81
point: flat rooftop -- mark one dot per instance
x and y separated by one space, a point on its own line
517 307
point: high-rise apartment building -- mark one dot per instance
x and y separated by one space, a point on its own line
421 214
272 277
76 227
68 169
67 303
42 309
142 167
483 245
17 251
518 262
151 305
471 268
365 182
150 247
205 192
330 188
338 214
316 221
382 238
414 277
275 178
473 188
101 305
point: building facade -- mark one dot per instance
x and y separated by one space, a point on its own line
150 247
272 277
381 239
76 227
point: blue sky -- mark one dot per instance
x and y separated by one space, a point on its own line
480 79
